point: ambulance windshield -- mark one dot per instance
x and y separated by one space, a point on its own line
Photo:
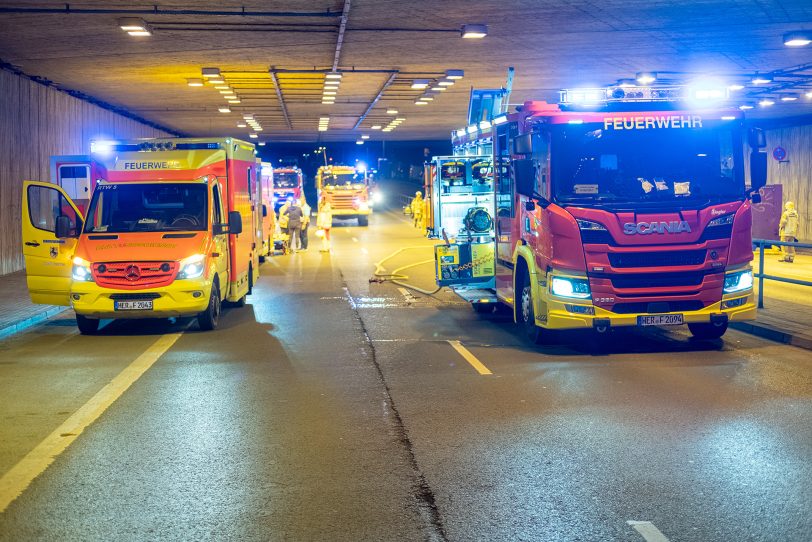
286 179
686 165
161 207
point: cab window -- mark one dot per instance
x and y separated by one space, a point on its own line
45 205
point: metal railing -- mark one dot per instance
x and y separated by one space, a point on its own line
761 276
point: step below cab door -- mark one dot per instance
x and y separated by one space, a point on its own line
51 227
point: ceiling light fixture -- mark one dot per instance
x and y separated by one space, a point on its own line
224 109
134 26
242 125
332 75
391 111
474 31
445 83
222 87
798 38
789 97
420 84
364 136
208 73
766 102
375 127
234 101
194 82
761 79
329 93
808 94
735 87
645 78
359 142
439 88
217 81
418 102
454 74
745 107
253 136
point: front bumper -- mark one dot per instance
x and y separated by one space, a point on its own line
181 298
350 212
563 315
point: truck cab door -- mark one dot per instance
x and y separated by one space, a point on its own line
48 259
220 239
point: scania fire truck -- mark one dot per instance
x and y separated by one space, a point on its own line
347 190
287 185
169 232
632 211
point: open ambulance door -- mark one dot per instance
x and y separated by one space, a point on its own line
48 211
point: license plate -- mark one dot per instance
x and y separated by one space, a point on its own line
135 305
660 320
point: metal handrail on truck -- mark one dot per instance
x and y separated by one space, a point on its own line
761 276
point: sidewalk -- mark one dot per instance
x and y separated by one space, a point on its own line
787 313
16 310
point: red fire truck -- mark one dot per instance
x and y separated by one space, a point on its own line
169 231
288 183
631 211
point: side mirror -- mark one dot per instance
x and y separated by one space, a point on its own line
758 170
63 227
529 206
756 138
264 210
523 144
755 197
524 175
234 222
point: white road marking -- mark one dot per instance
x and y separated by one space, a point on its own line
407 294
15 481
354 239
470 358
648 530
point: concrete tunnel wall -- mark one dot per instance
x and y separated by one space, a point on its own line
795 172
36 122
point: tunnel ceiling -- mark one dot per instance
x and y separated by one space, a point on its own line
275 55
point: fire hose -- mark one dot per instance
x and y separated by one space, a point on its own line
396 276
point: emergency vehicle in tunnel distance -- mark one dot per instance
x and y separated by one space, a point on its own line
288 184
347 190
169 232
632 211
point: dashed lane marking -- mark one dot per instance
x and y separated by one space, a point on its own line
470 358
15 481
648 530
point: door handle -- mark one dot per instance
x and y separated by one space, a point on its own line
31 244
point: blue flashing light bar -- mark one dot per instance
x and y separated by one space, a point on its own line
625 93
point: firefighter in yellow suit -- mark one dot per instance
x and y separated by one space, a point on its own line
417 210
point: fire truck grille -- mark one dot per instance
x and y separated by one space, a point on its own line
656 280
343 202
659 307
657 259
134 275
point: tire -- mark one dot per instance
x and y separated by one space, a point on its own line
707 331
483 308
208 319
87 326
363 221
527 314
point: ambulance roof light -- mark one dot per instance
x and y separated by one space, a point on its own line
102 147
646 78
501 119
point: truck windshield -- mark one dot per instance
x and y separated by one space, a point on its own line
341 179
286 179
121 208
591 165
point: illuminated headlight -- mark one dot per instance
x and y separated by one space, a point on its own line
589 225
81 270
570 287
377 197
192 267
722 220
736 282
364 206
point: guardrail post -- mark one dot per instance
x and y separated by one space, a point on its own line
761 275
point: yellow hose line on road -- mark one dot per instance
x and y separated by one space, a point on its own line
396 277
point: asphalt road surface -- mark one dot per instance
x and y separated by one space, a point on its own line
335 408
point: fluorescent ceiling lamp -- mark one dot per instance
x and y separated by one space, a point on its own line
387 130
454 74
235 101
208 73
461 132
375 127
761 79
258 128
766 102
132 24
364 136
217 81
248 116
418 102
745 107
420 84
808 94
322 128
328 102
194 82
473 31
400 119
799 38
227 91
242 125
728 117
789 98
139 33
331 86
222 87
359 142
646 78
332 75
426 99
445 83
329 93
391 111
224 109
735 87
438 88
261 143
253 136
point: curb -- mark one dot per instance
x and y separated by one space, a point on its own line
766 331
31 321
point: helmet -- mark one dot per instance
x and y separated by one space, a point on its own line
418 193
789 206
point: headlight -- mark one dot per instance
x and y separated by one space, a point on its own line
569 287
81 270
377 197
736 282
589 225
722 220
192 267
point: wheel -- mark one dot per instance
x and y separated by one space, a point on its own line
363 221
483 308
708 331
87 326
207 320
527 314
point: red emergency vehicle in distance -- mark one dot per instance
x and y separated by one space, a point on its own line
288 183
169 231
632 211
